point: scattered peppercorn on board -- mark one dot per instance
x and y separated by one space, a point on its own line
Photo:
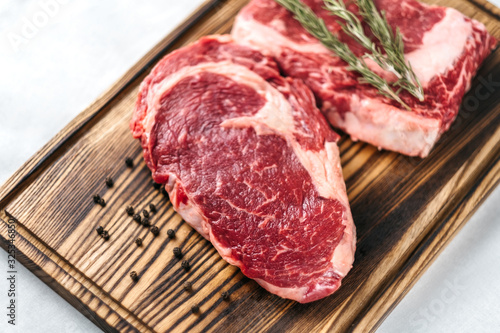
406 210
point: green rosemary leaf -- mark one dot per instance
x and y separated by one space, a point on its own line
393 46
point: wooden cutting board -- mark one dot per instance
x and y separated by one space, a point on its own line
405 210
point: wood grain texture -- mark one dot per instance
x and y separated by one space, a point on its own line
405 210
487 7
427 252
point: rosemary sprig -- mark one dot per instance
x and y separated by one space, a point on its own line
317 27
354 28
393 46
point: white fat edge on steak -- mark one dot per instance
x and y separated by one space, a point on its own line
321 167
385 125
249 32
441 46
407 132
189 212
295 293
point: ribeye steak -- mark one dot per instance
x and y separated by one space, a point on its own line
251 163
444 47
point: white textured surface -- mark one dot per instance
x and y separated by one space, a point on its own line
78 54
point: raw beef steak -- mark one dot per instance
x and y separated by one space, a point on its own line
444 48
250 163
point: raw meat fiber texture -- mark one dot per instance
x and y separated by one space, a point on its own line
251 163
444 47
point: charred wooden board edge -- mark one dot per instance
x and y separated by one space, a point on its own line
31 263
488 7
427 251
32 247
55 146
38 257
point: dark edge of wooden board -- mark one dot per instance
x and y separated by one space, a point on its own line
427 251
487 7
57 144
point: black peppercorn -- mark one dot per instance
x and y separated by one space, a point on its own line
155 231
97 198
134 276
152 208
138 241
185 265
109 182
105 235
195 308
130 210
129 162
137 218
102 202
177 252
145 222
187 286
225 296
156 185
170 233
145 213
99 230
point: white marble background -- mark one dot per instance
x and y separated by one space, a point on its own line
49 73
